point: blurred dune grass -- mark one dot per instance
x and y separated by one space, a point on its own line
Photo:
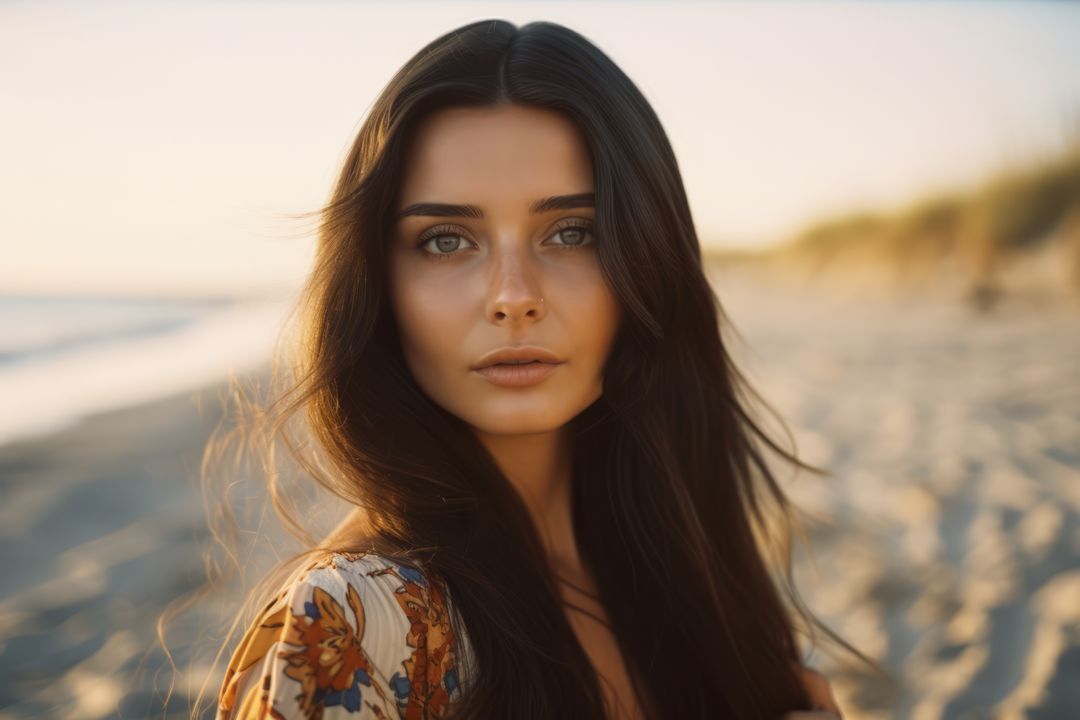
1017 232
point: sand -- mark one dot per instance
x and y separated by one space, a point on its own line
947 544
948 541
98 531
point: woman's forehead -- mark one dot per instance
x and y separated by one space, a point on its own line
507 150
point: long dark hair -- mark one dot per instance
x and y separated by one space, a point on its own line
675 507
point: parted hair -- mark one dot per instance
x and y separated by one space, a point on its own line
676 505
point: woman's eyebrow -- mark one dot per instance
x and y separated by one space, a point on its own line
553 202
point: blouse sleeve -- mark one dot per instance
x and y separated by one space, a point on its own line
351 639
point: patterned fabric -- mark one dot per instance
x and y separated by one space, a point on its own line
355 636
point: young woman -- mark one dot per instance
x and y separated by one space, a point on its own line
512 368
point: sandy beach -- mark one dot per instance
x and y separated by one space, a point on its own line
100 525
947 547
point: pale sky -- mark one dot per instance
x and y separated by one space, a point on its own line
158 146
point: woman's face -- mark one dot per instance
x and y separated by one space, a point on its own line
500 273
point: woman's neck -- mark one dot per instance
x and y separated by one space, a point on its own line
539 467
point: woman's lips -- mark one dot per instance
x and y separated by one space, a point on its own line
517 375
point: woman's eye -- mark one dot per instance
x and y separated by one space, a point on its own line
446 244
573 235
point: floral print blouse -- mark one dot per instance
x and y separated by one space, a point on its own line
354 636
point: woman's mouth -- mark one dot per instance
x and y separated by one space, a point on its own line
517 373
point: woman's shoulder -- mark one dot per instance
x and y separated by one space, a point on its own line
351 633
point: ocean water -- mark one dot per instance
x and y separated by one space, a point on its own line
63 358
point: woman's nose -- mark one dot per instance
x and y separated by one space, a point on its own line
507 310
515 293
